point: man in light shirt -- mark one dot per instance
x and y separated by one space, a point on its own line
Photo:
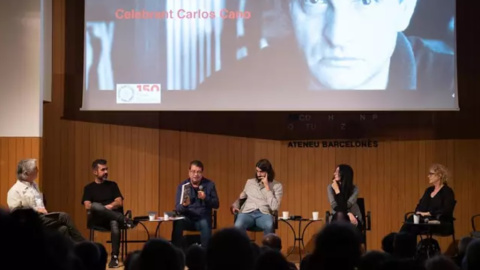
26 194
262 196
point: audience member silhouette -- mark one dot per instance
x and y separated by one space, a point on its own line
230 248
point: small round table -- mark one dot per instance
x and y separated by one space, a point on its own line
298 237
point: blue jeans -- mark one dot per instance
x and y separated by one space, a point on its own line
203 225
255 219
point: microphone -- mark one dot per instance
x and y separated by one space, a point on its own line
200 189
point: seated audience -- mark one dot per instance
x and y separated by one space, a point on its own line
337 246
196 258
373 260
230 249
462 249
387 243
272 260
159 254
274 242
440 262
472 257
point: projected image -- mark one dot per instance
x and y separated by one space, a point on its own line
296 53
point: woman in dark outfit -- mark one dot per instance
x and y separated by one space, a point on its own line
437 203
342 195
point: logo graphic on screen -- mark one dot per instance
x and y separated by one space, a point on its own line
126 93
139 93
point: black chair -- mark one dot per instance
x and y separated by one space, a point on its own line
450 231
475 233
193 236
123 232
255 228
364 226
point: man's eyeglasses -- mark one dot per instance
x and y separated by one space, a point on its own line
196 172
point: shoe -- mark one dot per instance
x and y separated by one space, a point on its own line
113 262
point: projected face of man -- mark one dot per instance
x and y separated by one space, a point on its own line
347 44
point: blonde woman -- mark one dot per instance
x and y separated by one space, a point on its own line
437 202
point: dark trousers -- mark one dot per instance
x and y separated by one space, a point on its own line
203 225
62 222
109 220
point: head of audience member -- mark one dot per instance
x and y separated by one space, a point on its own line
402 264
257 250
230 248
181 257
440 262
438 174
132 262
273 241
103 255
462 249
27 170
405 245
305 262
195 172
472 256
89 254
463 244
13 238
349 39
337 246
60 251
272 260
159 254
343 174
100 169
387 242
196 258
264 168
373 260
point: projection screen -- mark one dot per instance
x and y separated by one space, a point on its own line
270 55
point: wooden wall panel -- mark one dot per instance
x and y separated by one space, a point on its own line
12 150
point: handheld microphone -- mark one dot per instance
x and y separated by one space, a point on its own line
200 189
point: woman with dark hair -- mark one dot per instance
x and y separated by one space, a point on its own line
342 195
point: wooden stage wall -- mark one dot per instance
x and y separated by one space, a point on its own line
148 164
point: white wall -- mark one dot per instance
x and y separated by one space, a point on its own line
21 68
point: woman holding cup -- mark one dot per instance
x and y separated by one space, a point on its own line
437 203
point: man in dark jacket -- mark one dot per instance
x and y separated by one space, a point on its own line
195 199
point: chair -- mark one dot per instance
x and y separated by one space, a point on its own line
475 233
255 228
193 236
364 226
123 232
451 230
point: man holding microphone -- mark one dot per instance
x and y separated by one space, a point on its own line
262 196
195 199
